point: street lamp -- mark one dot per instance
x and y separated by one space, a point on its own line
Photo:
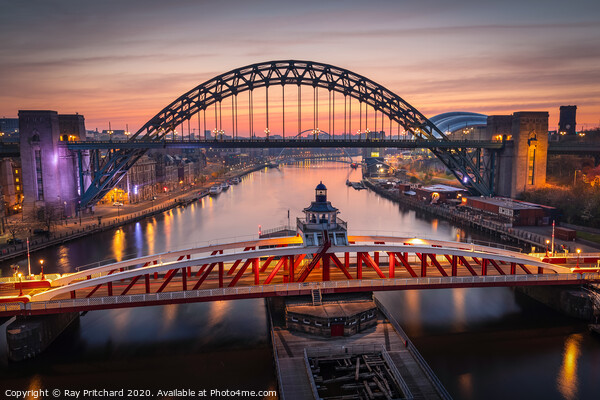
20 284
547 243
42 265
578 255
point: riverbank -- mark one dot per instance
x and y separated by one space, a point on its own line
99 222
521 236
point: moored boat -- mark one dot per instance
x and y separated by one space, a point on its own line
224 185
215 190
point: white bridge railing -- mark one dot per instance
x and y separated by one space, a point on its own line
290 288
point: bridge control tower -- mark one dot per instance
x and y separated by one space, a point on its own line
321 221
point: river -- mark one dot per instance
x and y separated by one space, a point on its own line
483 343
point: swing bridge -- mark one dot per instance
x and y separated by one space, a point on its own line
286 267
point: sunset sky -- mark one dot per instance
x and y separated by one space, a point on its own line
123 61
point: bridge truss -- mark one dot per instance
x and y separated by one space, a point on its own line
282 266
466 167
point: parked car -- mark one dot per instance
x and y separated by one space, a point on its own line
117 204
14 241
39 231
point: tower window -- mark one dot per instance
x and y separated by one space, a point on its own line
38 174
531 165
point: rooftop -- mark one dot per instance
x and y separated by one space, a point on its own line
333 309
507 203
442 188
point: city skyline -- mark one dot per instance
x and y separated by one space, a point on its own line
124 62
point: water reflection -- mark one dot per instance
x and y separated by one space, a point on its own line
460 315
465 383
63 262
150 235
413 308
34 385
567 381
218 312
121 320
169 316
139 239
118 244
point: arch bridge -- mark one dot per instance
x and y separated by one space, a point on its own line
388 110
284 267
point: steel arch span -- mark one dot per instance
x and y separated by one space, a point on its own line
286 72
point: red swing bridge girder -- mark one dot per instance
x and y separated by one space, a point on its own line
284 267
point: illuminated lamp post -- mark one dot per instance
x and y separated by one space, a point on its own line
578 255
20 284
42 266
547 243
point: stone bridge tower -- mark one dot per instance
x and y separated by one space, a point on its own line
50 170
521 165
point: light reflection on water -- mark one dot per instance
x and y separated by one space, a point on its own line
118 244
567 381
460 314
477 340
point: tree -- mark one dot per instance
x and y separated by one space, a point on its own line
48 216
15 228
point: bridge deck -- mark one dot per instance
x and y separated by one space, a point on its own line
269 267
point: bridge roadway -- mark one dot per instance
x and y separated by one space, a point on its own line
282 267
261 142
11 149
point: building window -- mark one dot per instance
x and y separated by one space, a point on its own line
38 174
531 165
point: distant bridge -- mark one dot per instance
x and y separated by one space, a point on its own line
387 110
283 267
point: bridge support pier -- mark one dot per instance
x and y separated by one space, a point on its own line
568 300
26 337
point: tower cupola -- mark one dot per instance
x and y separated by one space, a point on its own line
321 193
320 222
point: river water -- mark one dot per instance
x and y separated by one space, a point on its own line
487 343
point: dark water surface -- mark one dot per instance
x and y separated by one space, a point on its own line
483 343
